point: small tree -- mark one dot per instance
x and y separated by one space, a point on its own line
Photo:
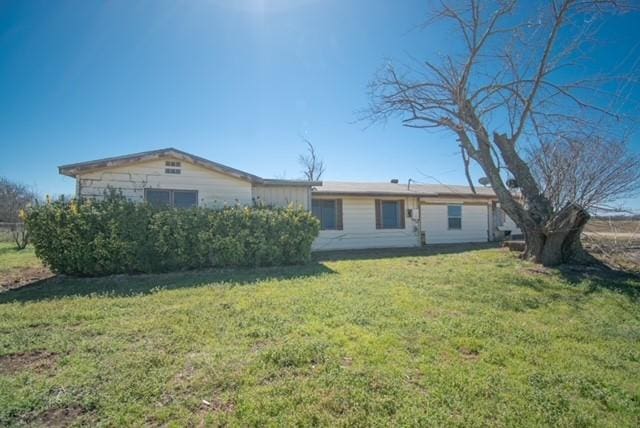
515 77
313 166
14 198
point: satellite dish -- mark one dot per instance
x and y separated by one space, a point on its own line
484 181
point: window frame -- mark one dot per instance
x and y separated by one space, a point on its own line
172 196
379 214
449 217
338 221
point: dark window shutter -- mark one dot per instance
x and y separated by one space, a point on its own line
339 214
378 214
402 214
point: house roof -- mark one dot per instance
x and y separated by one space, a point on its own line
400 189
72 170
319 188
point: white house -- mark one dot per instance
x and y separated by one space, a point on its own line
352 215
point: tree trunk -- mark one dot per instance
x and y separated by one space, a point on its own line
559 240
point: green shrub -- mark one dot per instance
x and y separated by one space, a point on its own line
93 238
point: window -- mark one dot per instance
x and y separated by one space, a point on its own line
173 167
171 198
158 198
389 214
454 212
329 212
185 198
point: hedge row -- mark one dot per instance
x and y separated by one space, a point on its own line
93 238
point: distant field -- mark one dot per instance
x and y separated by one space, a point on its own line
616 243
619 226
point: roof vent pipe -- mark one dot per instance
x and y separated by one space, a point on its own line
394 181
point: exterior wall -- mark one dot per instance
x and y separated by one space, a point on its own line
359 227
475 224
510 225
504 223
282 196
214 189
492 222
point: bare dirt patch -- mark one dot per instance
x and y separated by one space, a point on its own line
469 354
346 362
38 361
17 278
213 406
59 417
217 405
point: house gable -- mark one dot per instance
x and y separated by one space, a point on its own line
215 189
72 170
216 185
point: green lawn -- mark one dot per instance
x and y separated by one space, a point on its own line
469 339
11 259
19 267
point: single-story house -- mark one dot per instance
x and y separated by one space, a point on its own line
352 215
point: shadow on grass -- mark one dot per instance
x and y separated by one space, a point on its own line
129 285
602 277
597 276
385 253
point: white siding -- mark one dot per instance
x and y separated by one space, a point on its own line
282 196
475 224
504 223
359 228
214 189
510 225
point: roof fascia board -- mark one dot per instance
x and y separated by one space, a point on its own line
72 170
279 182
398 194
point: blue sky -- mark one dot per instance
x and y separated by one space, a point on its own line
237 82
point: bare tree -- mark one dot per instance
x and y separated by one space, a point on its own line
590 172
15 197
515 79
313 166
